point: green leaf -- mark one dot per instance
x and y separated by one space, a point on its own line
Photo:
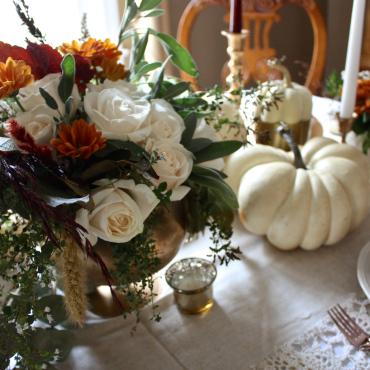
130 13
146 68
154 13
180 56
149 4
190 126
213 181
49 100
56 305
67 81
217 150
97 170
158 83
140 48
198 144
136 151
176 90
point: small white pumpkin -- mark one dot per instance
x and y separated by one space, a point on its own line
296 206
295 105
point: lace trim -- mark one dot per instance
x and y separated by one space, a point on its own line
323 347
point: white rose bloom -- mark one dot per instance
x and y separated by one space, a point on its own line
39 123
121 208
121 85
203 130
117 115
165 122
30 96
173 167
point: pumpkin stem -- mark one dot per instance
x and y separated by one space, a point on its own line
285 132
275 63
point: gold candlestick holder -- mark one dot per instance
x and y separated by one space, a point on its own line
235 50
345 125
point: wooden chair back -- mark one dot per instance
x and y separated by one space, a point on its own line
259 16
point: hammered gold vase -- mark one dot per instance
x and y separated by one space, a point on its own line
169 234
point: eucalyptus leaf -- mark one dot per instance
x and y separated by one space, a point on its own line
146 68
49 100
180 56
67 80
130 13
217 150
190 126
198 144
223 192
136 151
176 90
160 75
98 170
56 305
149 4
155 13
140 48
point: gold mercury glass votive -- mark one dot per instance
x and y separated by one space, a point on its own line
192 279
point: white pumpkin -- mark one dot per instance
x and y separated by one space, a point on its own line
301 207
295 105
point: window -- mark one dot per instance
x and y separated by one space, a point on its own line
60 20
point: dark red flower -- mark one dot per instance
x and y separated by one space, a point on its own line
45 59
14 52
84 72
25 141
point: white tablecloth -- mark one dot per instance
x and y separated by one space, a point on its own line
262 301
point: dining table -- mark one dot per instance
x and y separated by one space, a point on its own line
269 312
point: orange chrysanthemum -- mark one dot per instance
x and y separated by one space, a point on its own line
14 74
103 56
363 96
112 70
78 139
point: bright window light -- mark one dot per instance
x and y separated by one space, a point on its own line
60 20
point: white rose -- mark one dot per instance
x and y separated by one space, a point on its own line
30 96
39 123
173 167
165 122
120 211
121 85
204 130
117 115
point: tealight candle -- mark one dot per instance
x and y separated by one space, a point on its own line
191 279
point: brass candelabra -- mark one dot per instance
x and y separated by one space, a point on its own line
235 50
345 125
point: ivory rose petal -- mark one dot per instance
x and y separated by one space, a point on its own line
121 208
30 96
117 115
165 122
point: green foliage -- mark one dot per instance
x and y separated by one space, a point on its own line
361 126
26 260
216 150
49 100
67 81
333 86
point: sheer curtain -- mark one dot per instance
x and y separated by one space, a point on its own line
60 20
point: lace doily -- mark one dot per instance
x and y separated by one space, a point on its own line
323 347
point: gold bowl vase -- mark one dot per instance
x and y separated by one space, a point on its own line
169 234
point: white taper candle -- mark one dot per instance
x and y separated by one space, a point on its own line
353 59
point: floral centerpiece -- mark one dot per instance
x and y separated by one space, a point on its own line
361 125
90 151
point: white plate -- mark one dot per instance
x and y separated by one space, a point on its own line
363 269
